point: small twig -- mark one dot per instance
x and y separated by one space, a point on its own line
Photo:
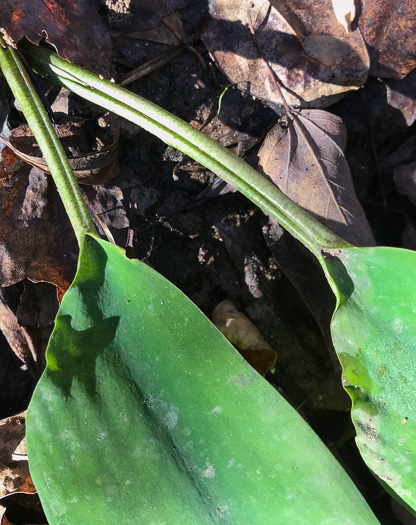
274 78
151 65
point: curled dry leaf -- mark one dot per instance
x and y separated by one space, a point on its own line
14 467
242 333
304 157
313 57
389 29
74 27
89 167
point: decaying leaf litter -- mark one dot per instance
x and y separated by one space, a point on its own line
212 243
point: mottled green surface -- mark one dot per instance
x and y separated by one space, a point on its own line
146 415
374 333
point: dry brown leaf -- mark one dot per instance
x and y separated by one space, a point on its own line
36 238
242 333
92 168
14 467
30 245
389 28
401 95
304 157
165 32
74 27
27 315
303 42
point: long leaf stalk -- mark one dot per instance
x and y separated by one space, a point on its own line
44 133
185 138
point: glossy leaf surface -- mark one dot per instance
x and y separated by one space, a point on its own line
146 414
374 333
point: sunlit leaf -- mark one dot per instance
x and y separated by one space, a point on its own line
146 414
374 334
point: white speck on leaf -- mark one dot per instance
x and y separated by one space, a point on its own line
209 472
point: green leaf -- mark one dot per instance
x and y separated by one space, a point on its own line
147 415
374 333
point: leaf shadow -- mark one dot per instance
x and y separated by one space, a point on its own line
82 334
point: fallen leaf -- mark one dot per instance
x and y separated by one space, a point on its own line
74 27
105 201
32 214
304 157
389 29
401 95
27 315
309 51
14 467
242 333
31 217
162 34
90 168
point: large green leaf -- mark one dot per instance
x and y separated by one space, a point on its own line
147 415
374 333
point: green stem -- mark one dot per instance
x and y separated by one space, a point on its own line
52 150
184 137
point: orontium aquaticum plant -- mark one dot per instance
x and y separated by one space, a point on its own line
145 414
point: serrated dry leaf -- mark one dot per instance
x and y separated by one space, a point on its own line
242 333
305 160
309 51
14 467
